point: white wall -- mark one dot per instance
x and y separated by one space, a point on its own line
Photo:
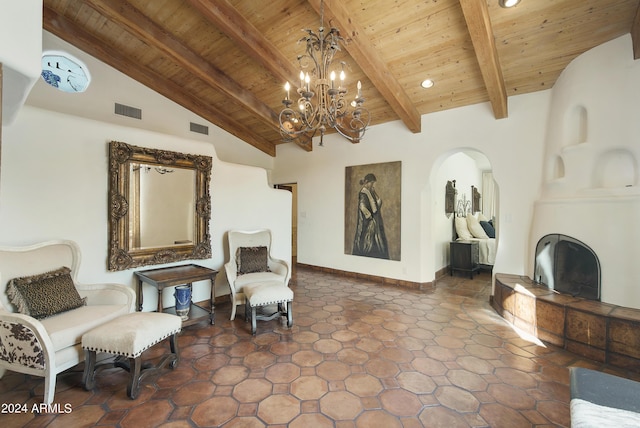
20 52
514 147
53 185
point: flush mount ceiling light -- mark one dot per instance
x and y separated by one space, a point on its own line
508 3
321 101
65 72
427 83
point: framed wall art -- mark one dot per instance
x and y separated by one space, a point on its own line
372 210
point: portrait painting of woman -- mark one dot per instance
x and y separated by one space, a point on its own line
370 239
372 210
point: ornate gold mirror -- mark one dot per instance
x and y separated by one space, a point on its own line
159 206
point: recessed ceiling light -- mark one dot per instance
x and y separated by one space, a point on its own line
508 3
427 83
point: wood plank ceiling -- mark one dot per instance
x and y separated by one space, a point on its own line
227 60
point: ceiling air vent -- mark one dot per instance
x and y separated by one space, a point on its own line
200 129
128 111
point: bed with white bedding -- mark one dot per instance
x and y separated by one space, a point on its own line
487 250
477 228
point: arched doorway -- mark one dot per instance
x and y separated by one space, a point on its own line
470 169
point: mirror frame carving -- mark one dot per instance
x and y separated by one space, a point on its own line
122 257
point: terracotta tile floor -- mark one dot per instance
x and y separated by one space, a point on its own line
359 355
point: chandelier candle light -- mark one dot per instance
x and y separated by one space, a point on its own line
329 109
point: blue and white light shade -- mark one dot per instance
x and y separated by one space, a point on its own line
65 72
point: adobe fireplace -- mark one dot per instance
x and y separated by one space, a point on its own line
568 266
589 193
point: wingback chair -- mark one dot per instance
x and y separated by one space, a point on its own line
48 342
242 269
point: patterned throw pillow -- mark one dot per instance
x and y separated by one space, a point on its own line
46 294
252 259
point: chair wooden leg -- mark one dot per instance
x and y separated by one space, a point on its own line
173 344
134 384
88 376
253 320
289 315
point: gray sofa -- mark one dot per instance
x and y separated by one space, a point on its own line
602 400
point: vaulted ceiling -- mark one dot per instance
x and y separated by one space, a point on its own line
227 60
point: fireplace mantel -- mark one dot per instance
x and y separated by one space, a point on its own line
598 331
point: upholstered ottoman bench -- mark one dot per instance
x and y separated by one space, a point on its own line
128 337
265 293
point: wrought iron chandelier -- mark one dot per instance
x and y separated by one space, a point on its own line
322 101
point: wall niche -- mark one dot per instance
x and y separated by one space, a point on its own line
615 169
557 170
576 126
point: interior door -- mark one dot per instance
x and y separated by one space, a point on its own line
293 188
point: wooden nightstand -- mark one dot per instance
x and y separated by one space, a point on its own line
464 256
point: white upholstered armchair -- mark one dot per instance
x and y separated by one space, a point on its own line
50 342
245 264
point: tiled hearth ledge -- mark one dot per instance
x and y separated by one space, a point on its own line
599 331
423 286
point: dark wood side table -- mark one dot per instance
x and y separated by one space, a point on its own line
178 275
464 256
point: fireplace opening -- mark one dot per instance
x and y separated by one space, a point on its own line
568 266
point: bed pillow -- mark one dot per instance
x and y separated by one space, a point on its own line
482 217
488 229
46 294
474 227
462 229
252 259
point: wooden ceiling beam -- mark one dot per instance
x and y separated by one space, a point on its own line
87 42
367 57
227 19
476 15
635 34
133 21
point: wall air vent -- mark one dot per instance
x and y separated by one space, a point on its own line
128 111
200 129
